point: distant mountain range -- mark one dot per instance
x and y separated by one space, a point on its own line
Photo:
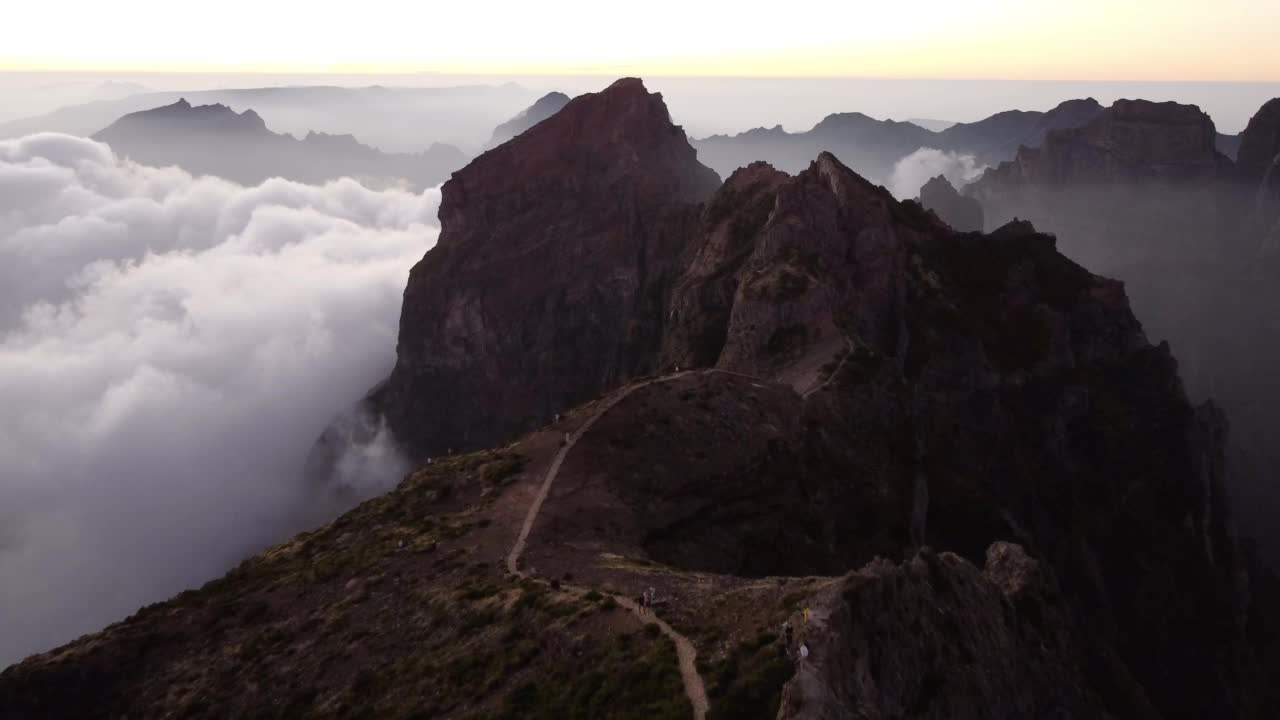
216 140
392 119
872 146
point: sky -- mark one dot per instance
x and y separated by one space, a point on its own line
1183 40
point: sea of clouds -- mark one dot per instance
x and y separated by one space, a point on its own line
170 348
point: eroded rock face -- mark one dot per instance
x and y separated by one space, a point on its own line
550 279
960 212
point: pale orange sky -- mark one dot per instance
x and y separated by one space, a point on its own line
1230 40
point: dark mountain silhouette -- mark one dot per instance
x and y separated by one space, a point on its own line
216 140
1260 142
547 105
951 463
1143 194
960 212
872 146
392 119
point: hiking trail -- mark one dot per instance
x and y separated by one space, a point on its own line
685 652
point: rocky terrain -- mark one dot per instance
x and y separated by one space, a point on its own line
545 107
216 140
869 466
871 147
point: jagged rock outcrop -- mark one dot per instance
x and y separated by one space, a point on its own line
960 212
550 279
1259 143
216 140
545 107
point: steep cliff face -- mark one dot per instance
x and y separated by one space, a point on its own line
1142 180
550 279
986 388
960 212
1260 142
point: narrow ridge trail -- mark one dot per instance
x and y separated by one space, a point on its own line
694 688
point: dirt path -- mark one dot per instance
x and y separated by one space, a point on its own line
693 685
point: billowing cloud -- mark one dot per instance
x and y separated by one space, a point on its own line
913 171
170 347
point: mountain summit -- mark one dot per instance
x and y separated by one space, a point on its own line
548 283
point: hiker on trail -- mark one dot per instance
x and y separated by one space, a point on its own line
786 633
640 603
806 616
804 652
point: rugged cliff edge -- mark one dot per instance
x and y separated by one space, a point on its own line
549 281
951 463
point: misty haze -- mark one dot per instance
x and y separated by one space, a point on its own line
581 361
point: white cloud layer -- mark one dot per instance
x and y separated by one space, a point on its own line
913 171
170 347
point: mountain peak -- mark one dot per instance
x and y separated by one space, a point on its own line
583 201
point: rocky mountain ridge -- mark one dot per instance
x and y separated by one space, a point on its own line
951 463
